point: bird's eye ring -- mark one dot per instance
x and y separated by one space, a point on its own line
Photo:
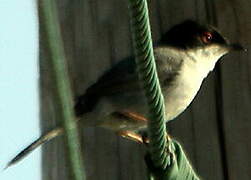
206 37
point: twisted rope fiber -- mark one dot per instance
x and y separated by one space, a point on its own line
148 75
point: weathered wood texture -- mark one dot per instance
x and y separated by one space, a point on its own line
215 131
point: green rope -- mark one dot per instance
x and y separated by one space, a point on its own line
147 73
49 10
159 163
180 169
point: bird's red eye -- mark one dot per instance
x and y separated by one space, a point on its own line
206 37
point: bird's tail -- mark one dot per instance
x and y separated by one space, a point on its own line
80 109
41 140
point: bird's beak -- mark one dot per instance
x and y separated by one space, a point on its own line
236 47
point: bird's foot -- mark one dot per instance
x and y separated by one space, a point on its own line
131 136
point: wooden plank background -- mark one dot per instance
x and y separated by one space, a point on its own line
215 131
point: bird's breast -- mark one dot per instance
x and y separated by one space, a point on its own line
182 91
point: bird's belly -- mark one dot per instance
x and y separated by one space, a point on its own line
179 96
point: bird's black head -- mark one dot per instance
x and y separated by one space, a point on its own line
190 34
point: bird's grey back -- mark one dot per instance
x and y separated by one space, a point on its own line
119 89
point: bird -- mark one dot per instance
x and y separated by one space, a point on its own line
184 56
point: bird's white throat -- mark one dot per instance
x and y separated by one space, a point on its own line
197 63
203 60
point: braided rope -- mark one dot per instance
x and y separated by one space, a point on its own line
148 75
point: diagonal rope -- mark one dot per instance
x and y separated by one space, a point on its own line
48 8
148 75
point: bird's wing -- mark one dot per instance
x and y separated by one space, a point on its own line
168 65
123 78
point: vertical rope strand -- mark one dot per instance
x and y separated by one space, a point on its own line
52 27
145 61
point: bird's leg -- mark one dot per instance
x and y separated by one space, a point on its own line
131 135
134 116
139 117
142 139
